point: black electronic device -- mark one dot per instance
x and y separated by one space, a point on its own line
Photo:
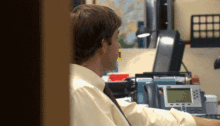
187 98
122 88
118 88
210 116
152 95
169 53
130 83
217 63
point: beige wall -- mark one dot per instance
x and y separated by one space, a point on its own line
184 9
198 61
201 62
89 1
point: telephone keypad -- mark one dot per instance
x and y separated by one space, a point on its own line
195 95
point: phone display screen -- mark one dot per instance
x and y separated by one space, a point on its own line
182 95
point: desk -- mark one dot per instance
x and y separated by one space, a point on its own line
128 99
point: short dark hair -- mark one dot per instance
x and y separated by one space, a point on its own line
91 24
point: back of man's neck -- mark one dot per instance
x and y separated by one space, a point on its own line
95 66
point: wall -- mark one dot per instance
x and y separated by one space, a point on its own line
199 61
89 1
184 9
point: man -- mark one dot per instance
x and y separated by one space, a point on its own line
96 51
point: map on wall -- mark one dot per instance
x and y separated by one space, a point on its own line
131 11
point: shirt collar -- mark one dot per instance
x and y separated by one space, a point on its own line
83 73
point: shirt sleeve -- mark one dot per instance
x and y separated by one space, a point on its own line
143 116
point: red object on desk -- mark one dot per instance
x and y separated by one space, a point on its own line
118 77
195 80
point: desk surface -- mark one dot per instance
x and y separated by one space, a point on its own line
128 99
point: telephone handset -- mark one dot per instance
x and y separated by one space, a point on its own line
152 95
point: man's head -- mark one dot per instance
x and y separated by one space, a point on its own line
95 28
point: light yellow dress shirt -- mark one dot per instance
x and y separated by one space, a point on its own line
91 107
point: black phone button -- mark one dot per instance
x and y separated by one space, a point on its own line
184 108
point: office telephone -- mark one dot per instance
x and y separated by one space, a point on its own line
187 98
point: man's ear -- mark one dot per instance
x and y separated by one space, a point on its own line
104 46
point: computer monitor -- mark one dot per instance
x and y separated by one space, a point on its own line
169 52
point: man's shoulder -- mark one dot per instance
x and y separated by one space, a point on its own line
79 83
